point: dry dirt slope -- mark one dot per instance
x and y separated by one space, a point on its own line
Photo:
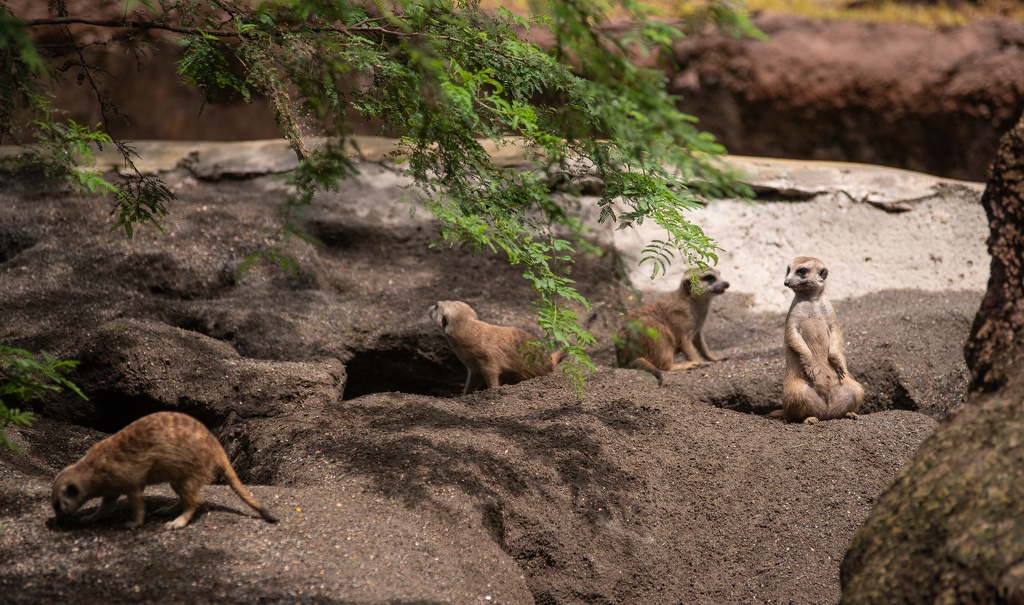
338 399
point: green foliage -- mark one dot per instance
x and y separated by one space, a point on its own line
445 75
139 199
66 150
22 377
634 332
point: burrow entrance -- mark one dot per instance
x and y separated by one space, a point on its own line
411 363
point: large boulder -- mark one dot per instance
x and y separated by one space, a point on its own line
951 527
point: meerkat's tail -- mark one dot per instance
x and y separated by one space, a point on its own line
642 364
236 484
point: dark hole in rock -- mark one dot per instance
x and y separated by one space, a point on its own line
15 241
347 234
886 389
740 402
411 365
116 410
902 400
891 395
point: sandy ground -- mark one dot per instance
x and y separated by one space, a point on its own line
338 400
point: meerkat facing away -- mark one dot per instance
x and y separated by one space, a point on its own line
493 355
165 447
652 334
817 384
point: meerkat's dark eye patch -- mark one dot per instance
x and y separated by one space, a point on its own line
71 491
444 321
801 271
708 278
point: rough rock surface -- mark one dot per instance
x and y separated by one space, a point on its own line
949 528
337 400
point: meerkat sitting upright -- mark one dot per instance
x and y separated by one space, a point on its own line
652 335
493 355
817 384
165 447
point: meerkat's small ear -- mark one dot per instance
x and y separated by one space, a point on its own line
823 273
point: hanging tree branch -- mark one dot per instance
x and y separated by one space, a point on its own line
442 74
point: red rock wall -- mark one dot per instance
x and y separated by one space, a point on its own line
936 101
897 95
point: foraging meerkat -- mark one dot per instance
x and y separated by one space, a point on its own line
493 355
165 447
652 335
817 384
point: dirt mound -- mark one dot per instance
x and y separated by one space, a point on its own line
338 399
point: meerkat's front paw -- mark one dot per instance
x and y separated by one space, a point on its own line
810 420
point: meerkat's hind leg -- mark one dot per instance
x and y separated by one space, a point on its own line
181 520
689 351
492 378
801 403
846 400
188 491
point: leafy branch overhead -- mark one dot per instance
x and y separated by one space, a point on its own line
442 75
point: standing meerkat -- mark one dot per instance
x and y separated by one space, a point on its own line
652 335
493 355
817 384
165 447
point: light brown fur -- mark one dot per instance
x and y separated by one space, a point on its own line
652 335
817 384
493 355
165 447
